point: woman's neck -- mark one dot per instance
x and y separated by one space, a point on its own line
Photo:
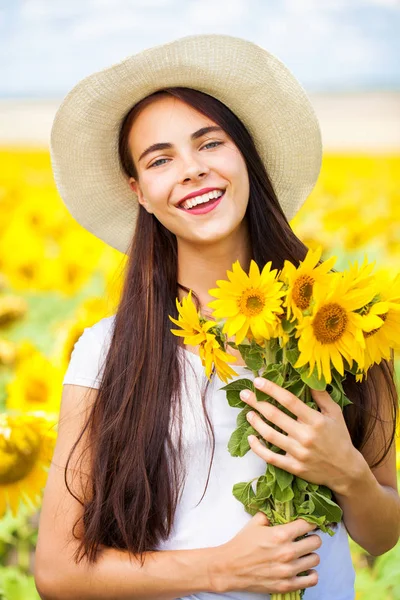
201 266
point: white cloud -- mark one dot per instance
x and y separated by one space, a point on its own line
120 23
42 10
214 13
385 3
131 4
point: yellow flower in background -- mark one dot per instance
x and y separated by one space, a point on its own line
12 308
249 303
8 352
211 354
334 330
36 385
354 205
68 332
26 447
301 281
22 251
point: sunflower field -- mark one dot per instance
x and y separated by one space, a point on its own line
56 279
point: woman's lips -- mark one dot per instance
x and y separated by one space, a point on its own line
206 207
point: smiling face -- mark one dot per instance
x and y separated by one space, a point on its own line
178 151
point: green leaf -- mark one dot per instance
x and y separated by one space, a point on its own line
288 326
283 478
275 372
283 495
264 488
345 401
322 489
252 356
241 418
326 507
234 400
292 355
267 510
314 519
313 380
306 508
262 397
296 387
238 444
243 492
337 378
300 483
238 385
337 394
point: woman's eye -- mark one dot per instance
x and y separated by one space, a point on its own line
211 143
157 162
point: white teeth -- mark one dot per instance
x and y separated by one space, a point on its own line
201 199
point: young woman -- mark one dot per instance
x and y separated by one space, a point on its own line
187 157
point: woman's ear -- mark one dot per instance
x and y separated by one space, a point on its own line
134 185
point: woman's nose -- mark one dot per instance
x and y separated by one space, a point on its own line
193 169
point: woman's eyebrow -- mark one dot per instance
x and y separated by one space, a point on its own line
168 145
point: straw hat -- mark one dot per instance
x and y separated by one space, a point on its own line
253 83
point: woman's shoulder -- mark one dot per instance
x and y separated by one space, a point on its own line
89 352
102 329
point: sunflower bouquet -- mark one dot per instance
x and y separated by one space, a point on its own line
303 328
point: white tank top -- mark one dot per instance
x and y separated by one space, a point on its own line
219 516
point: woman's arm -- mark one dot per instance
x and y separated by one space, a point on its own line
369 498
371 510
165 575
116 574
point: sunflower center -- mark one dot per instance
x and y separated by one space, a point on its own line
251 302
302 291
368 334
17 458
330 323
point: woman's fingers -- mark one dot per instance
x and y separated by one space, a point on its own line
304 563
307 545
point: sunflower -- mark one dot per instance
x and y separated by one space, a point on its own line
249 303
211 353
334 330
301 281
360 276
196 332
193 330
26 445
36 382
380 341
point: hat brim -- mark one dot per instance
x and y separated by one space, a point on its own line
249 80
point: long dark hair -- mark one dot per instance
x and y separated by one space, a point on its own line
136 468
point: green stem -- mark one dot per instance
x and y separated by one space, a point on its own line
286 509
287 596
269 354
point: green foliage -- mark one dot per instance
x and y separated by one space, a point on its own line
18 533
15 585
376 577
282 496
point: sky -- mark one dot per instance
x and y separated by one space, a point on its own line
47 46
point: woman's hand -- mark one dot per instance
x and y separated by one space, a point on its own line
265 559
318 445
